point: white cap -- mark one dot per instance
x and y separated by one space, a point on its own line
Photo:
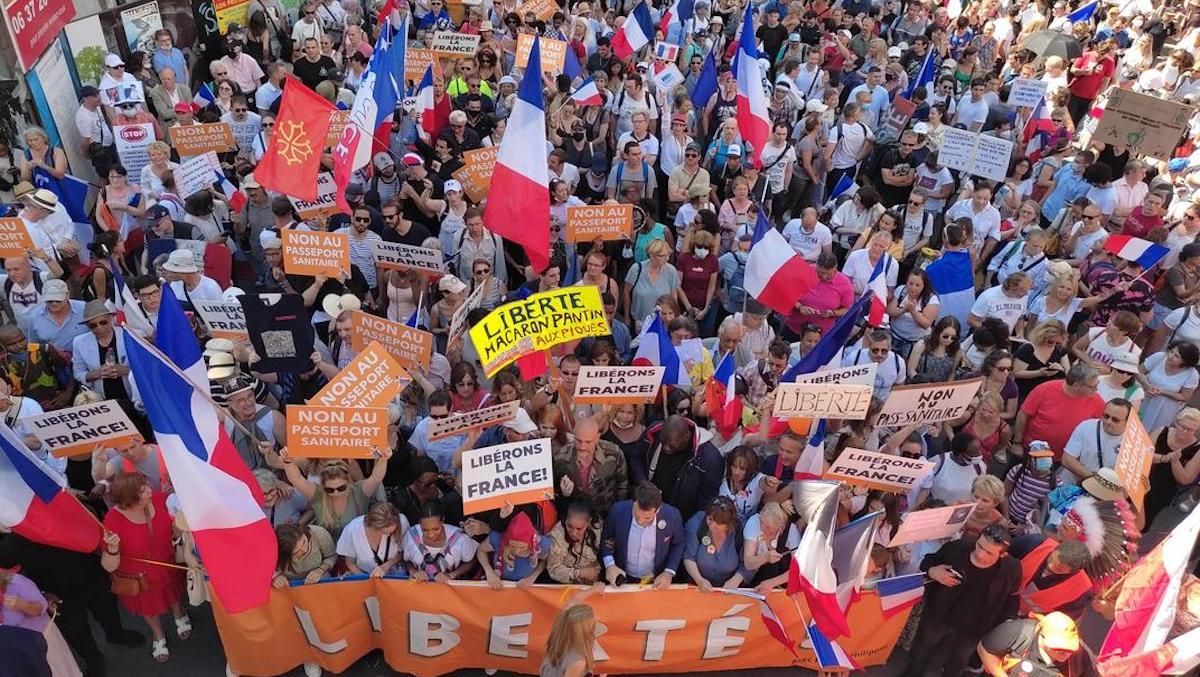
450 185
815 106
894 51
112 61
921 128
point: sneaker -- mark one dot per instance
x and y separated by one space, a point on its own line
312 670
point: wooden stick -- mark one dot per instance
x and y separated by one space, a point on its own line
105 529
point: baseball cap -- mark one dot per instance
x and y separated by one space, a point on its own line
734 151
692 145
157 212
507 80
412 160
451 285
112 61
185 107
55 290
450 185
845 34
815 106
793 37
921 128
382 160
894 51
355 189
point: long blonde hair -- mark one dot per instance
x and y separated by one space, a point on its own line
573 630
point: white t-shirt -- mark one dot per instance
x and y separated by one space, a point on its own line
649 145
1108 393
752 533
806 244
352 544
858 268
1102 352
987 222
1188 330
1082 446
207 290
951 482
932 182
1084 244
775 166
845 153
891 372
971 112
993 302
458 549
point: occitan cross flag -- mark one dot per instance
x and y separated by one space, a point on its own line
293 154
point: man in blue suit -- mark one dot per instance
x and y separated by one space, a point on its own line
643 539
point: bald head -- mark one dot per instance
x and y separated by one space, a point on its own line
18 269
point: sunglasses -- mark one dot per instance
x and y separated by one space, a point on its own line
439 416
359 219
101 323
483 271
337 490
268 124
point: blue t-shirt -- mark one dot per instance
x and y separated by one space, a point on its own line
441 451
522 566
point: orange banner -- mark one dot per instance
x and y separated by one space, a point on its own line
428 629
372 379
14 238
1133 461
307 252
190 140
336 432
411 347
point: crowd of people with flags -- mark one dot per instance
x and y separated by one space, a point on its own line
798 204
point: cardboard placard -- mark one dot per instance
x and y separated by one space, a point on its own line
399 256
77 431
215 137
822 400
224 319
928 403
457 424
1147 124
895 121
307 252
879 471
859 374
476 173
14 237
372 379
539 322
932 524
618 385
606 222
978 154
324 205
417 61
514 473
666 78
1027 92
458 321
194 175
447 43
1134 458
410 346
542 9
337 123
336 432
554 52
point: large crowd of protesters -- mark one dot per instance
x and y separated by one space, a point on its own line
1071 341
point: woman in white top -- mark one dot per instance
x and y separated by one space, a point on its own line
371 543
743 482
160 163
860 263
1060 300
1170 379
435 551
913 311
1121 381
855 216
1101 345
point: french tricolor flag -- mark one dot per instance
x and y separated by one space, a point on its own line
754 121
775 274
900 593
587 94
204 96
237 199
811 571
812 460
425 103
522 175
775 626
1135 249
34 503
725 407
219 497
877 285
679 14
635 33
655 349
830 655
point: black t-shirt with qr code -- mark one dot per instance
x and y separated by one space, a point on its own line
281 333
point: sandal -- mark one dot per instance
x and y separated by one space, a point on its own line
158 649
183 627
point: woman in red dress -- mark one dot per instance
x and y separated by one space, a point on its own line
139 528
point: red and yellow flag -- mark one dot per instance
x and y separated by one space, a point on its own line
293 155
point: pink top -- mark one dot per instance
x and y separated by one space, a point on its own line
837 294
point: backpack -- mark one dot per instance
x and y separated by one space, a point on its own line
8 285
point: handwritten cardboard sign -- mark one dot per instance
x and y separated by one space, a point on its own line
336 432
411 347
458 321
77 431
1027 92
818 400
554 52
618 385
308 252
606 222
507 473
399 256
928 403
14 237
879 471
979 154
223 319
462 422
1147 124
215 137
372 379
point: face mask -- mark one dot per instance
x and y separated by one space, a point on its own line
129 112
621 426
1043 463
701 252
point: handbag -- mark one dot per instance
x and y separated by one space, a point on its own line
127 585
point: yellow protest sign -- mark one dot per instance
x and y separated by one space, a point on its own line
541 321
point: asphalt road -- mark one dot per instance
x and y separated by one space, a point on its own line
202 656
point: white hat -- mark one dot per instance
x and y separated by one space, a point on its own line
815 106
921 128
451 285
382 160
221 366
55 290
1125 362
734 151
181 261
451 185
41 198
521 423
336 304
218 346
230 295
248 182
112 61
507 80
894 51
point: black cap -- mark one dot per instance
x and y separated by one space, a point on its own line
157 212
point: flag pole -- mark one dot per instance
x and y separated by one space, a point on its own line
106 530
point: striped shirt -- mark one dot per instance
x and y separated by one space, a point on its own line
1028 489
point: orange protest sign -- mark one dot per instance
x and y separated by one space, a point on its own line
542 9
476 173
428 629
554 52
188 140
372 379
878 471
417 61
606 222
410 346
336 432
307 252
337 122
1133 461
14 237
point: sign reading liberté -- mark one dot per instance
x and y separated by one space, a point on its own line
507 473
821 400
77 431
336 432
618 385
873 470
